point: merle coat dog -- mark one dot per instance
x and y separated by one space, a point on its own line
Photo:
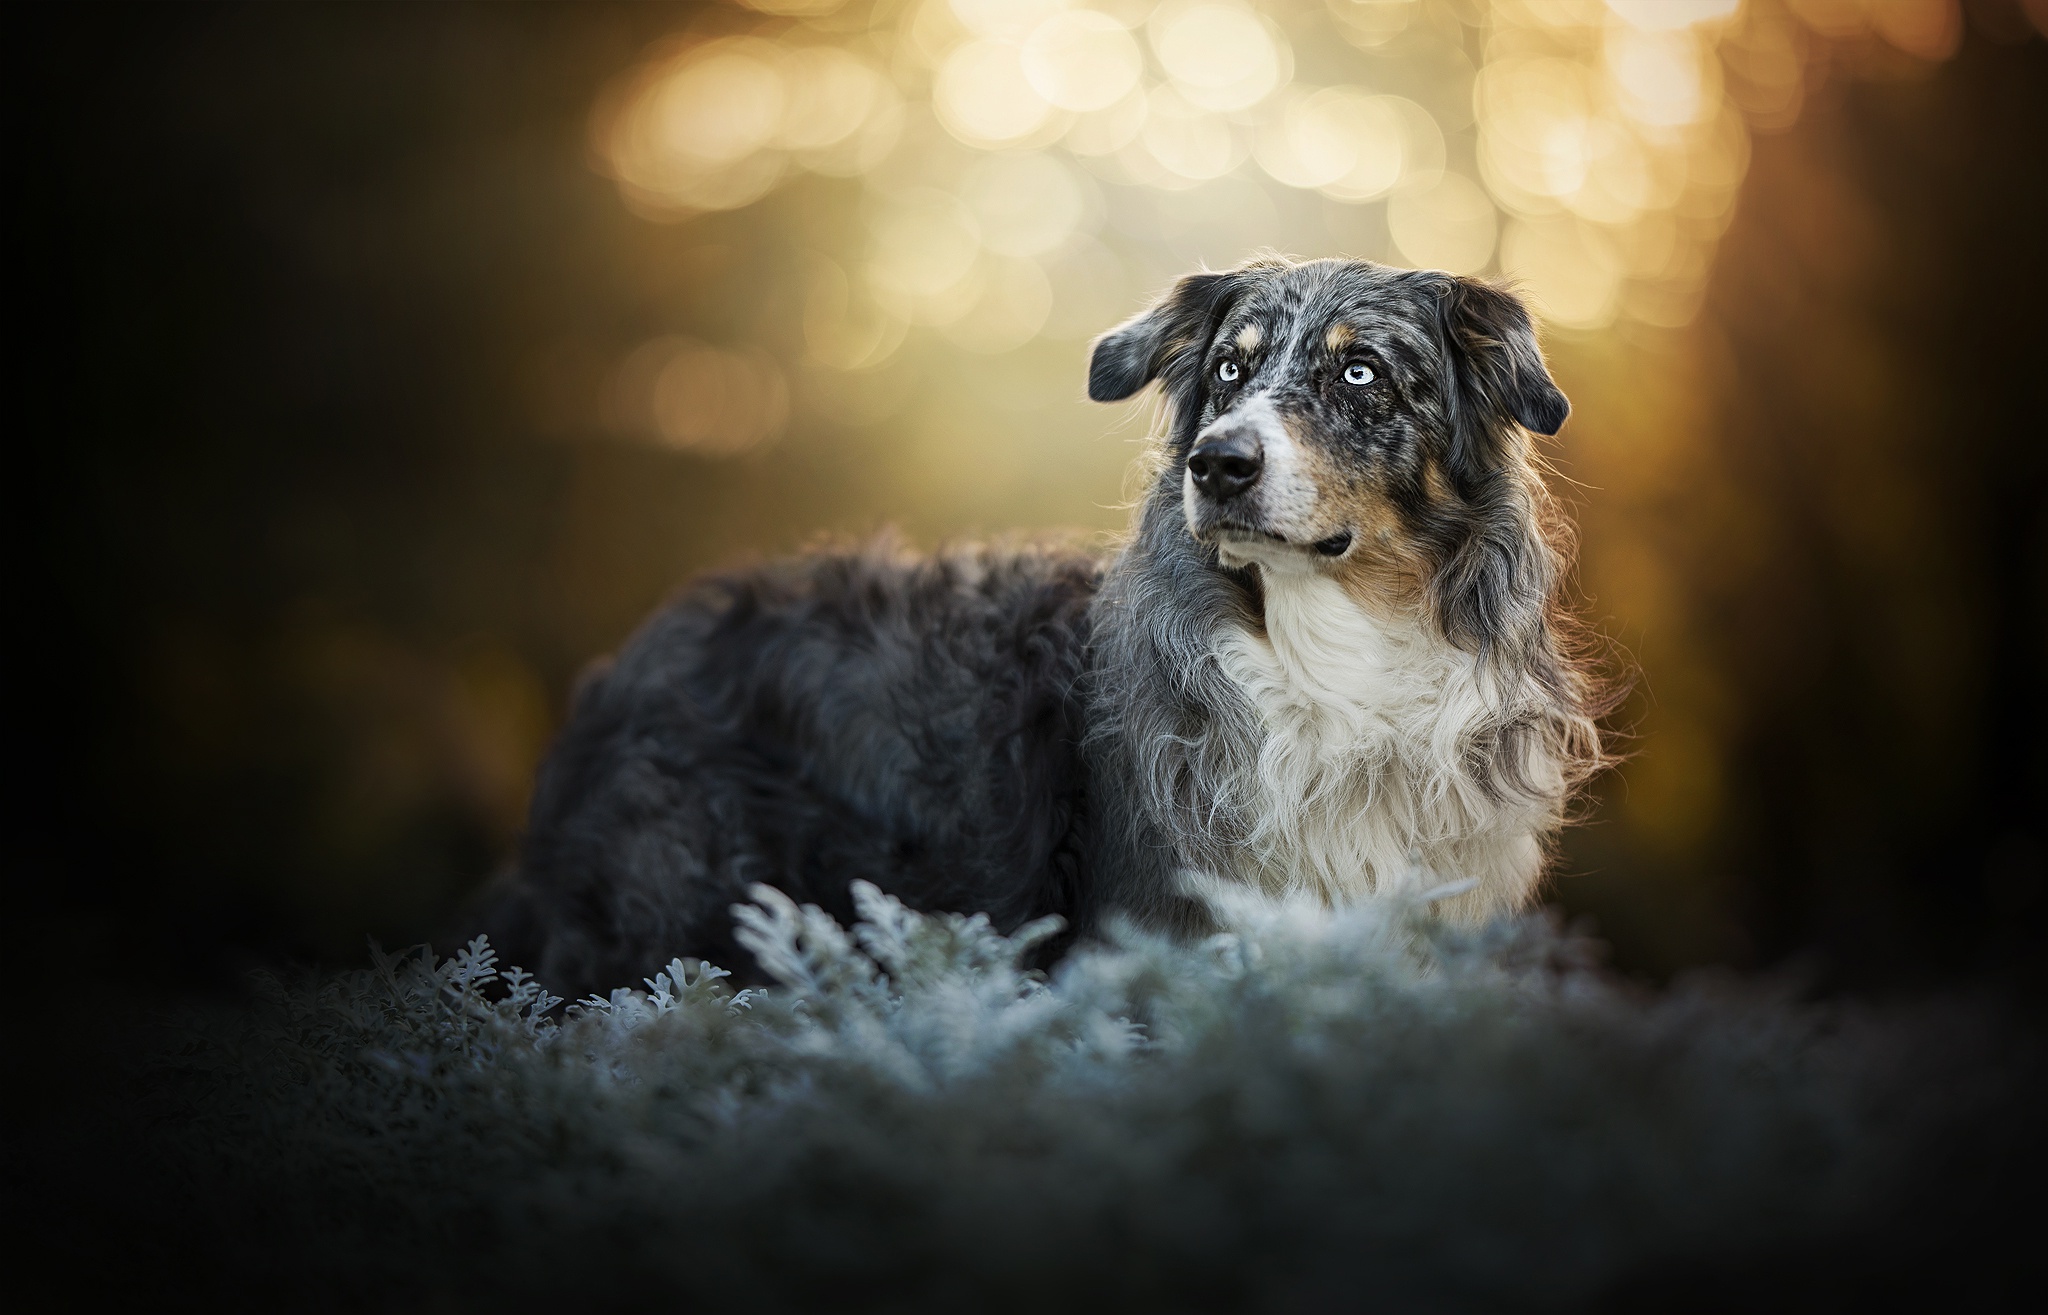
1331 657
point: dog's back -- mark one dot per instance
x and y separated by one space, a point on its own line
911 721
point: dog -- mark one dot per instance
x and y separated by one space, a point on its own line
1332 656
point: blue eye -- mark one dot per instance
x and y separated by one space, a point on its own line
1358 372
1227 371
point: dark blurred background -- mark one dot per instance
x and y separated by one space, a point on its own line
329 490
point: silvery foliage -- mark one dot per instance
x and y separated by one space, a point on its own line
1366 1108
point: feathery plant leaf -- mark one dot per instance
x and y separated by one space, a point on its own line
1468 1117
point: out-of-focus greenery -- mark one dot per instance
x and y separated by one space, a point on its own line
1366 1112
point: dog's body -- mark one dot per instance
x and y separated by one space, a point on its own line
1331 657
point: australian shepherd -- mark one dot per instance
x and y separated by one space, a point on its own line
1332 657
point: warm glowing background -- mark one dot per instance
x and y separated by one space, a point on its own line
407 357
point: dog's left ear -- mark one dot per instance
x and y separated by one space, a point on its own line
1499 368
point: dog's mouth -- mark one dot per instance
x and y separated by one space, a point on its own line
1230 531
1235 532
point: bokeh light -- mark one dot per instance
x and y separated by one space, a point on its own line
1591 151
686 395
1015 176
1219 56
1082 59
1450 225
669 287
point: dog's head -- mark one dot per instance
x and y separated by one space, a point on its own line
1349 418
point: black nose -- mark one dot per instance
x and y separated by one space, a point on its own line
1225 467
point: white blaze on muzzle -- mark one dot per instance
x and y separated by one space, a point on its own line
1284 500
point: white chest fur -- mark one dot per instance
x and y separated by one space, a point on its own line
1363 777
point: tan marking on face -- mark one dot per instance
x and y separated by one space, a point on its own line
1385 568
1339 337
1385 571
1436 484
1249 338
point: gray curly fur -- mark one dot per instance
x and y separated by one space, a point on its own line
854 714
1023 729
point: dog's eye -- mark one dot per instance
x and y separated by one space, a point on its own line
1227 371
1358 372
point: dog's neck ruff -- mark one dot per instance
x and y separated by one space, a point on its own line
1364 776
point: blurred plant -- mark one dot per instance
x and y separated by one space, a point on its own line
1479 1119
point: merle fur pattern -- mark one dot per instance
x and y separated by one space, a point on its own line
1027 730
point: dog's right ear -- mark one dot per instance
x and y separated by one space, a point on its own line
1150 344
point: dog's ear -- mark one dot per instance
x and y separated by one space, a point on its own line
1496 357
1149 344
1490 591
